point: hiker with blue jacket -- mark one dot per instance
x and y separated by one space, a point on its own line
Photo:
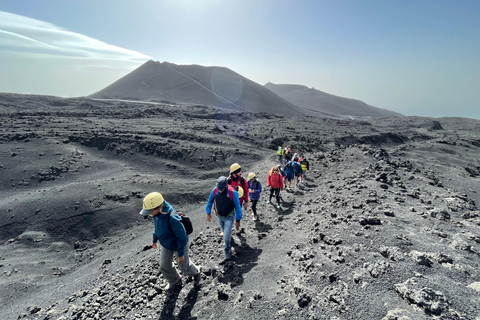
173 238
226 204
290 174
297 168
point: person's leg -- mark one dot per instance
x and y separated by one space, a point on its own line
227 230
187 267
254 209
270 197
166 265
221 224
277 195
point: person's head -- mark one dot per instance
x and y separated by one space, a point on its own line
152 204
222 183
275 170
235 170
251 176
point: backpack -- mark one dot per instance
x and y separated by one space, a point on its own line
187 223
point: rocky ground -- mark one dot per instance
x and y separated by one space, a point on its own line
385 227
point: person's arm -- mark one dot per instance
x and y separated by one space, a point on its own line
154 241
238 207
180 233
245 187
210 202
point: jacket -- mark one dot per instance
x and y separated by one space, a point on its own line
240 182
275 180
170 235
257 187
297 167
236 203
289 170
305 164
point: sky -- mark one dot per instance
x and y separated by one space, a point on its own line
416 57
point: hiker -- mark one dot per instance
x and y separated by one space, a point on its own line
305 167
297 169
288 155
289 174
254 188
275 181
227 207
280 154
295 157
171 234
236 180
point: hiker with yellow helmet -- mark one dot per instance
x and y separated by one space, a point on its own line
225 201
236 180
173 238
254 188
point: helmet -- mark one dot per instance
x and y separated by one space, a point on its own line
251 175
240 192
234 167
150 202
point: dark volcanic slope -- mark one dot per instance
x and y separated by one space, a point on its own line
327 104
193 84
385 227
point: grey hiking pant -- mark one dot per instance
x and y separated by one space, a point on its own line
167 268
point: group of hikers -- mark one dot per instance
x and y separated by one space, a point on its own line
227 198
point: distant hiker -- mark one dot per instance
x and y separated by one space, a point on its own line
288 155
227 207
305 167
171 234
282 173
297 168
254 188
236 180
295 157
275 181
280 154
289 174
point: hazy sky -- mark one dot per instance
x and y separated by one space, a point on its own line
416 57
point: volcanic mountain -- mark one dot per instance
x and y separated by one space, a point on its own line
197 85
328 104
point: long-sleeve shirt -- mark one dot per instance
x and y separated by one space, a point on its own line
256 186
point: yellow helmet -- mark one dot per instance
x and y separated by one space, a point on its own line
240 192
150 202
234 167
251 175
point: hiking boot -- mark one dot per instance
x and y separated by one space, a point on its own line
268 202
174 284
196 279
279 206
255 217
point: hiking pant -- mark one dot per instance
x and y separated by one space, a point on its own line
277 194
226 224
167 268
254 206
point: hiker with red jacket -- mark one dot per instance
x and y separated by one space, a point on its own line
236 180
275 181
227 206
